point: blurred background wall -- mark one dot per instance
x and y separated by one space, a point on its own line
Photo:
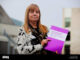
11 26
71 21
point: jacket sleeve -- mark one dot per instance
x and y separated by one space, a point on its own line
23 48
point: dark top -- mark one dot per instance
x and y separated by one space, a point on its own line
38 39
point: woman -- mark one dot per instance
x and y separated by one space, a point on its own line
32 35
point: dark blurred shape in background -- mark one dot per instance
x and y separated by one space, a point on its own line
10 25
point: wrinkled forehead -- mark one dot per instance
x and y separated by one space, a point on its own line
34 8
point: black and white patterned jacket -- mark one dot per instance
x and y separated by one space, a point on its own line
24 45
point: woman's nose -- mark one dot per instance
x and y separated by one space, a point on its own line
34 13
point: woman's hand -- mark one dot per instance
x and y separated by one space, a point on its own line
44 41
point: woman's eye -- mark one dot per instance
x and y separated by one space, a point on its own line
31 11
37 11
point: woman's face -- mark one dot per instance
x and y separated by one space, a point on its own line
34 15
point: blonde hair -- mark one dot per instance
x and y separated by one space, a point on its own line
42 28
